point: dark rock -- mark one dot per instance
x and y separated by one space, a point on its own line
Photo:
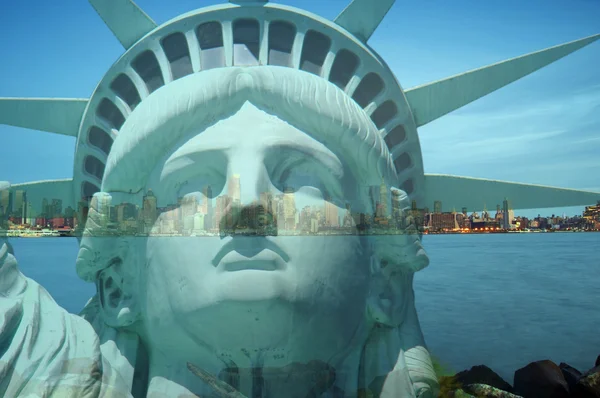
485 391
597 361
541 379
593 370
588 385
458 394
483 375
570 374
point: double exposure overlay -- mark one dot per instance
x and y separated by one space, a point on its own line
249 199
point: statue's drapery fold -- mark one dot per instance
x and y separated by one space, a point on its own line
44 350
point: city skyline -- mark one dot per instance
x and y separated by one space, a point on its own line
193 214
499 137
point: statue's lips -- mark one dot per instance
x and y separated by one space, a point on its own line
264 261
253 253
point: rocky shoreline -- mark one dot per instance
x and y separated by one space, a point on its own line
540 379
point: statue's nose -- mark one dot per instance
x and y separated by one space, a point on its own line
250 208
247 184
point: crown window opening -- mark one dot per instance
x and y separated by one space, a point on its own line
384 113
402 162
124 88
94 167
344 66
281 43
246 42
146 65
395 137
408 186
314 51
100 139
111 114
88 190
369 87
210 40
178 54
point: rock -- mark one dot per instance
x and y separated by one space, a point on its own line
541 379
483 375
570 374
448 385
485 391
597 361
459 394
588 385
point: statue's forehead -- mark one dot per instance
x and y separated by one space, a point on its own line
249 128
251 133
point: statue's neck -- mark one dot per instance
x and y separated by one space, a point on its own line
294 380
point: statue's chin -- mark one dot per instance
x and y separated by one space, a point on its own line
250 286
269 332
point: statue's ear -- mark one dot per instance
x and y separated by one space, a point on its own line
116 290
386 298
394 261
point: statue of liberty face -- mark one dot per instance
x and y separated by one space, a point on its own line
251 299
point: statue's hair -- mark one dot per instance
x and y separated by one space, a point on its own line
198 101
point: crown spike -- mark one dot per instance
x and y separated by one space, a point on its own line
362 17
434 100
125 19
471 192
54 115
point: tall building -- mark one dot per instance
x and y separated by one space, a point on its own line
383 199
266 200
396 209
6 201
289 209
207 209
437 207
234 188
331 215
56 208
189 206
199 223
149 208
45 208
222 217
509 215
20 205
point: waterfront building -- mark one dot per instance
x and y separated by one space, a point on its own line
437 207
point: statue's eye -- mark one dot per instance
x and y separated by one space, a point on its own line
208 185
304 173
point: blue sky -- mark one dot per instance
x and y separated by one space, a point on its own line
543 129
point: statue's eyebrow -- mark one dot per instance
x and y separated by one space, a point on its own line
323 157
185 164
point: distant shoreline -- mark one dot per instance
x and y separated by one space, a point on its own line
71 235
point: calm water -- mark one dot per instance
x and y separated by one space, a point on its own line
503 300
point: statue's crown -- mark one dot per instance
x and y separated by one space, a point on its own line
245 34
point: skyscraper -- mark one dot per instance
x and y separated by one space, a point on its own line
56 208
223 218
396 209
6 202
19 203
289 209
508 215
234 188
331 214
437 206
383 199
209 219
149 208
